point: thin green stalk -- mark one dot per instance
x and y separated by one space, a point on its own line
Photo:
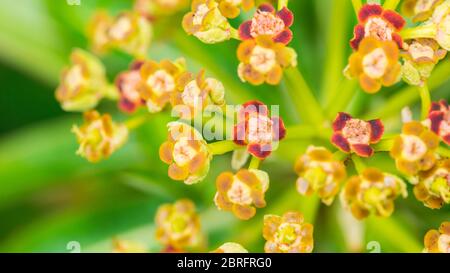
137 121
423 31
335 46
443 151
341 97
360 166
357 4
222 147
254 163
426 100
235 34
303 98
409 94
391 4
282 3
305 131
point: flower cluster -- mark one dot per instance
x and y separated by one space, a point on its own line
372 192
438 241
433 186
319 172
238 193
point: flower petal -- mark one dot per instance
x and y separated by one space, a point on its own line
287 16
165 152
278 128
394 18
340 142
260 151
244 212
358 35
283 37
244 30
178 173
266 7
376 130
362 150
340 121
368 84
369 10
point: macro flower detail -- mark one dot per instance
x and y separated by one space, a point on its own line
128 31
419 10
242 192
374 21
351 134
263 60
438 26
194 95
372 192
413 150
230 8
99 136
375 64
128 85
419 60
319 172
206 22
186 153
160 81
433 186
178 225
83 84
230 247
287 234
439 120
268 22
256 130
438 241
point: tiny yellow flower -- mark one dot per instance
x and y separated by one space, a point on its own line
230 247
194 95
438 241
125 246
414 149
83 84
99 136
206 22
263 60
178 225
372 192
242 192
319 172
186 152
433 186
375 64
287 234
419 10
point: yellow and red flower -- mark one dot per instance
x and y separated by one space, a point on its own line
194 95
256 130
433 186
438 241
268 22
206 22
372 192
99 136
419 10
376 22
351 134
128 85
414 149
230 247
178 225
439 120
263 60
375 64
319 172
287 234
83 84
186 152
242 192
160 81
230 8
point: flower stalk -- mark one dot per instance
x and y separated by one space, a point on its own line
137 121
423 31
425 98
360 166
222 147
391 4
357 4
254 163
282 4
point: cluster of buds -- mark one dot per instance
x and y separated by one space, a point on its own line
256 130
129 31
319 172
372 192
99 136
242 192
438 241
178 226
230 247
186 153
287 234
351 134
83 84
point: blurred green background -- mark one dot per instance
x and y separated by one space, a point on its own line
50 197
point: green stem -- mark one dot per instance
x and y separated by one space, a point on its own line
254 163
426 101
222 147
341 97
111 92
385 145
303 98
282 4
335 46
357 4
423 31
359 164
443 151
235 34
304 131
340 155
391 4
137 121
